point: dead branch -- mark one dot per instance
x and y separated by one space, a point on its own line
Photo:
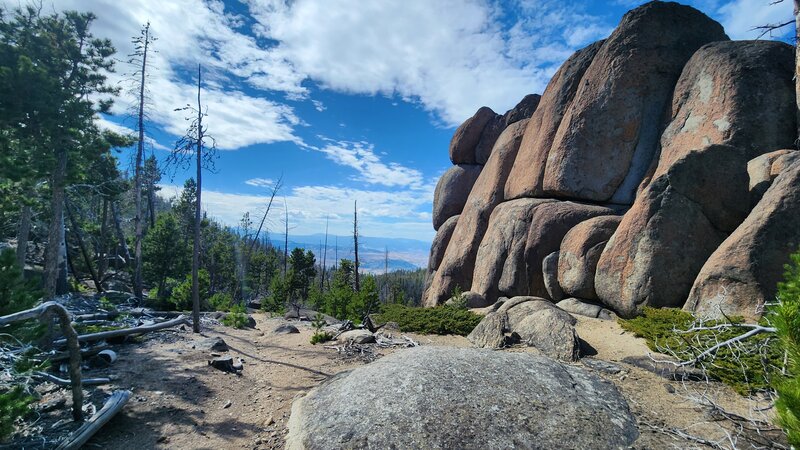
683 435
112 406
182 320
62 382
73 346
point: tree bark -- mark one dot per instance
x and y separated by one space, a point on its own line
120 234
197 218
54 260
102 263
355 244
137 267
84 252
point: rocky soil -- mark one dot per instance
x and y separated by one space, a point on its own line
180 402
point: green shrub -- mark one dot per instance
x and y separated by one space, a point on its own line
236 318
221 301
181 296
785 318
14 404
16 294
445 319
747 369
320 336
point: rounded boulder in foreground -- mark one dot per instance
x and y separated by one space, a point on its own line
444 398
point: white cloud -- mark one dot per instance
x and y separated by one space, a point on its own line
396 213
452 56
191 32
318 105
260 182
740 17
361 157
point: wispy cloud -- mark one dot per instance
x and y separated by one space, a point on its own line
361 157
260 182
402 213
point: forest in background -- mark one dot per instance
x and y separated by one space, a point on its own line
74 219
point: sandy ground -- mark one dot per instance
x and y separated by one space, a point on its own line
179 402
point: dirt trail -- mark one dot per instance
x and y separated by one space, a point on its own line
180 402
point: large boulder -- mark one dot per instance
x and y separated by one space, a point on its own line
549 224
500 261
763 169
531 321
452 191
440 241
584 308
468 135
458 261
528 171
673 227
609 136
743 273
550 276
439 397
523 110
738 93
580 250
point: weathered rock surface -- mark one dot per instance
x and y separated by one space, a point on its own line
467 136
550 276
609 136
440 241
458 262
584 308
763 169
356 337
439 398
580 250
549 224
500 261
532 321
527 174
285 329
523 110
489 136
738 93
744 271
672 228
452 191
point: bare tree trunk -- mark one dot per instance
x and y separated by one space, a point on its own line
197 215
285 238
324 258
137 266
151 206
355 243
102 263
84 252
120 234
23 232
55 238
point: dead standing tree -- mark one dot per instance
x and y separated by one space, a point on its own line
355 245
139 59
193 146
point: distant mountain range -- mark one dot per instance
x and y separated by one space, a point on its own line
404 254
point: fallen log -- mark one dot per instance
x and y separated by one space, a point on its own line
113 405
73 346
182 320
62 382
85 353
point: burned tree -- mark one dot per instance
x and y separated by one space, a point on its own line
194 145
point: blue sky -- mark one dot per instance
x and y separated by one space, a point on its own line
350 99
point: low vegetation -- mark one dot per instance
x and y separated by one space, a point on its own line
236 318
445 319
786 320
748 366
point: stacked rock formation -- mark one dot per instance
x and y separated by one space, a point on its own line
657 169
